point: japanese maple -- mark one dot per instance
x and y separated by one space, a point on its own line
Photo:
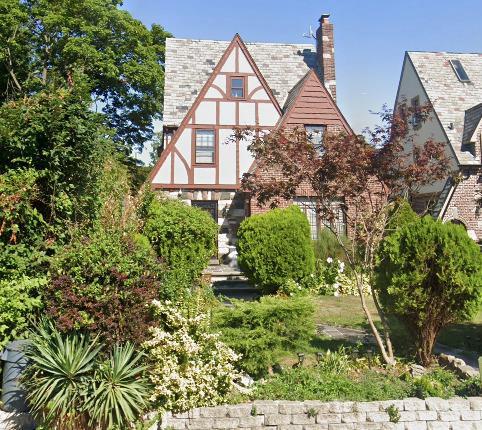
365 174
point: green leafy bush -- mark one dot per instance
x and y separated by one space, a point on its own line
104 283
437 383
274 247
20 299
327 246
259 331
307 383
70 385
429 275
190 365
183 236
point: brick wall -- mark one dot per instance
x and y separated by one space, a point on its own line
463 206
414 414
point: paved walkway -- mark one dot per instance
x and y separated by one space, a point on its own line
354 336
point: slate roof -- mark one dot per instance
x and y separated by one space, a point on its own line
190 62
450 97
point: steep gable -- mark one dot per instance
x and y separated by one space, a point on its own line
309 102
189 63
217 112
450 97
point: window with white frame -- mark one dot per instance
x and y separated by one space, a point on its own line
308 207
205 146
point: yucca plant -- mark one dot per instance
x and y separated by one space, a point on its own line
71 386
57 378
120 392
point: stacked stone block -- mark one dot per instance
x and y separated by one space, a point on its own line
413 414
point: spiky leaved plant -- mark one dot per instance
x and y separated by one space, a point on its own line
71 386
119 390
57 377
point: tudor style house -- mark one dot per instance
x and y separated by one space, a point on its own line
213 87
452 84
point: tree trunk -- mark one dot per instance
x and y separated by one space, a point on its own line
425 343
385 350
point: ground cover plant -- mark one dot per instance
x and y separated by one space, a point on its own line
274 247
263 332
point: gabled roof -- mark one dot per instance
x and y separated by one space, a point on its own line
309 102
190 62
450 97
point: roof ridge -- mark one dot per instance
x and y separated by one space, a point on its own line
443 52
312 45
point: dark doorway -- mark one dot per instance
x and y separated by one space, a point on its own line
210 206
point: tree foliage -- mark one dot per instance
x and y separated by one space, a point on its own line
94 42
429 274
65 144
368 174
274 247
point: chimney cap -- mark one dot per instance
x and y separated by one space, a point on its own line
324 17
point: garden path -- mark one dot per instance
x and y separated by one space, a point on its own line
355 335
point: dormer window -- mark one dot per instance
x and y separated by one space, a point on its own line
237 87
460 71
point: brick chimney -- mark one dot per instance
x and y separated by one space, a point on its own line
325 54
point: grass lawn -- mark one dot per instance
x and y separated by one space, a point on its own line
346 311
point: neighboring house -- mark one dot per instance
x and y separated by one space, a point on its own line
213 87
452 84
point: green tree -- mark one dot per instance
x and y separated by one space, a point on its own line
275 247
58 136
429 275
61 42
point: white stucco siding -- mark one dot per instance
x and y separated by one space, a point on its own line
206 113
213 93
230 64
247 114
409 88
268 115
163 176
220 81
180 172
244 66
183 144
253 82
227 158
204 175
227 113
245 157
261 94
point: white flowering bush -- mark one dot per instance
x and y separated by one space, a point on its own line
190 367
331 278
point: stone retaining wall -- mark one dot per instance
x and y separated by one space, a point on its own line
414 414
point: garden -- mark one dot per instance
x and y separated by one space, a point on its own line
101 278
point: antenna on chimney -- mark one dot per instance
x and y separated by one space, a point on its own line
310 34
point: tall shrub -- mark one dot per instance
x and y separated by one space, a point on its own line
429 274
274 247
103 283
183 236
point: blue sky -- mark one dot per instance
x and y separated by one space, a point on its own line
371 36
